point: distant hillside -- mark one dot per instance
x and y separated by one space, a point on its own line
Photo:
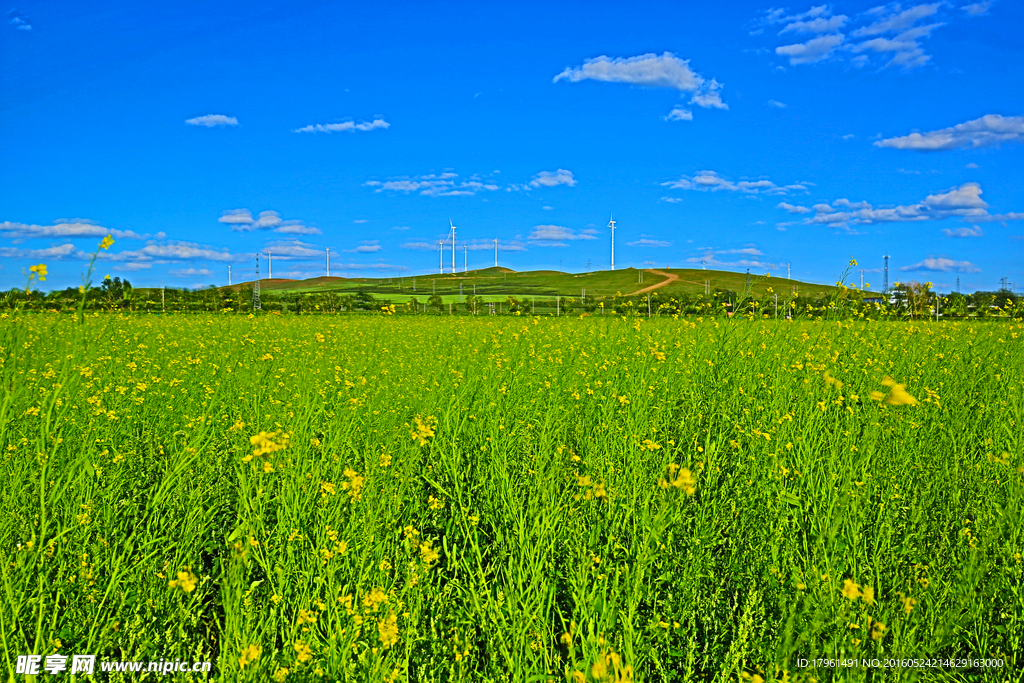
503 281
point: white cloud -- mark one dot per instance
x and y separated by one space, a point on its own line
943 265
296 250
814 50
445 184
75 227
18 20
553 178
888 30
213 120
709 96
548 208
817 25
671 200
241 220
973 231
345 126
972 165
174 251
365 247
359 221
420 246
710 180
649 70
679 114
977 9
897 20
400 227
644 242
776 104
297 228
793 209
557 235
64 251
962 202
989 130
188 272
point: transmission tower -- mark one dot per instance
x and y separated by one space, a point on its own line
1004 283
256 287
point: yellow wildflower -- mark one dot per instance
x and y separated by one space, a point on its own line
423 431
302 651
388 630
40 271
897 394
186 581
107 242
249 654
851 591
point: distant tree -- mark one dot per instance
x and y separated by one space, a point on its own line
435 301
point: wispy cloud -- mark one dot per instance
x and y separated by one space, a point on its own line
973 231
241 220
365 247
18 20
553 178
942 265
645 242
989 130
793 209
651 71
447 184
962 202
189 272
888 31
679 114
710 180
349 126
75 227
213 120
557 235
776 104
978 9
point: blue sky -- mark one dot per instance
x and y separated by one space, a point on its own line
733 135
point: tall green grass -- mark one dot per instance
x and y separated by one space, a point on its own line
543 525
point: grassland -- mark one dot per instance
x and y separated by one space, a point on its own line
512 499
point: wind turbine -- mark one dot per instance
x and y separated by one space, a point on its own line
611 224
453 244
495 252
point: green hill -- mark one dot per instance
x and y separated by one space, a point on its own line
502 282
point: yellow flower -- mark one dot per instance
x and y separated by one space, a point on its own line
897 394
878 630
40 271
423 430
908 604
249 654
106 277
851 591
388 630
832 381
302 651
186 581
107 242
281 674
678 478
428 554
869 595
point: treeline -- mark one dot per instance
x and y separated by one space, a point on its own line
907 300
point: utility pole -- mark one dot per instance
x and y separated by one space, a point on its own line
789 272
885 281
256 305
957 284
862 278
229 276
328 261
611 224
748 279
440 257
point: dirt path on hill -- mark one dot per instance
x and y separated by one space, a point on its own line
669 277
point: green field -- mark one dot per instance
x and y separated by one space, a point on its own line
422 498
